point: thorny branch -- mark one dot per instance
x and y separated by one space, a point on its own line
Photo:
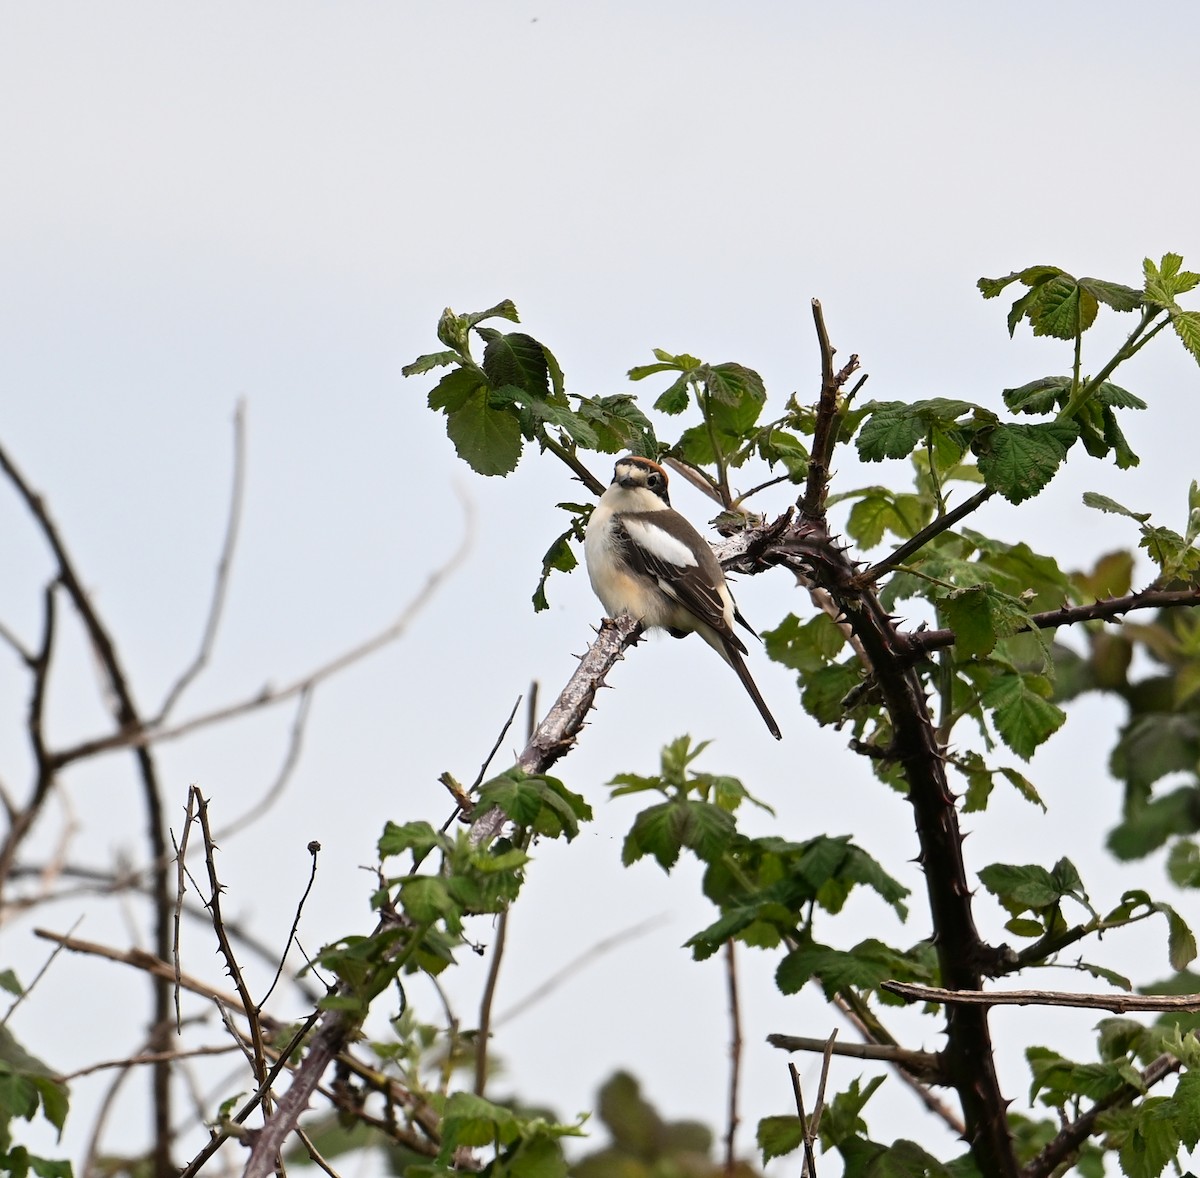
551 740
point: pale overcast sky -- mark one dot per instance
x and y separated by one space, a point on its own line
275 201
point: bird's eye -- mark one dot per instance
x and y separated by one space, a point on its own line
654 480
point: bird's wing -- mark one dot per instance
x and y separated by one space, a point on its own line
662 545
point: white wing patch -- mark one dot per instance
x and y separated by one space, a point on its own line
659 543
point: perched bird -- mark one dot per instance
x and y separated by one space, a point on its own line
646 560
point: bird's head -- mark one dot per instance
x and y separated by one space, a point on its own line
640 483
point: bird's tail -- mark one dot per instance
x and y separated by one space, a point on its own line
735 660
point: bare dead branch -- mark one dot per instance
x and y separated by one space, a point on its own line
145 735
920 1063
146 1057
812 502
314 849
485 1004
1117 1003
37 977
735 1054
809 1169
216 606
127 719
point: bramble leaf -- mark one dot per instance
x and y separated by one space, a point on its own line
1019 460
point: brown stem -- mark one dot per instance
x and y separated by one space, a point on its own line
1070 615
962 954
735 1053
552 739
1063 1148
127 718
1117 1003
812 502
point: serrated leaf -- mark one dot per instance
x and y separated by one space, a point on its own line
804 646
487 439
1019 460
1021 888
1038 396
505 309
1113 294
778 1136
1187 327
428 361
452 392
1151 1145
619 424
675 400
1153 745
882 511
515 359
967 613
1023 786
1181 942
418 837
1063 310
891 431
1112 507
664 830
1023 717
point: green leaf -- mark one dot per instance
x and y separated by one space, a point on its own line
515 359
538 802
1038 396
778 1136
1064 310
1181 943
968 614
863 968
663 830
805 646
1023 785
825 690
1165 281
618 424
892 431
1187 327
675 399
488 440
453 391
1024 718
1021 889
881 511
1153 745
1183 864
560 556
1153 1143
1113 294
502 310
426 362
1112 507
1019 460
418 837
8 981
